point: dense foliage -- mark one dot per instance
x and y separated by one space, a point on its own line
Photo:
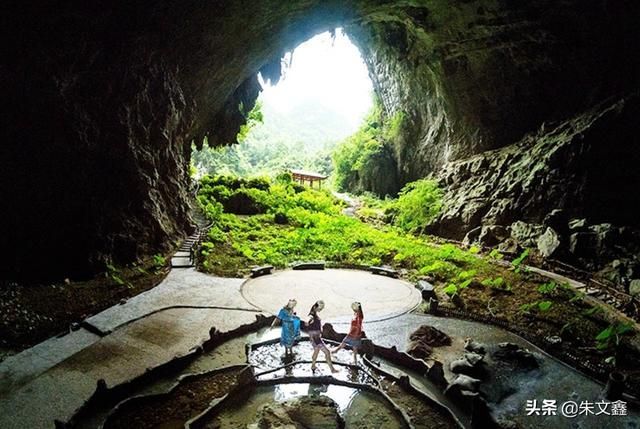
417 204
364 161
297 223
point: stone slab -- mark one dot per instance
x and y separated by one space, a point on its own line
181 287
19 369
116 358
381 297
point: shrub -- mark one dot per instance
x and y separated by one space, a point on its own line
419 202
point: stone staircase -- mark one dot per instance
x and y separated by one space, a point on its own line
185 256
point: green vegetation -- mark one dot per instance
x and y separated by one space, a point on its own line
541 306
159 261
419 202
353 155
517 263
609 340
364 160
291 223
272 141
261 221
115 275
497 283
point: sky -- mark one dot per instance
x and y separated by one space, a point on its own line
325 71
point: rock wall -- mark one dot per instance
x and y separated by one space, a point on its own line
586 167
473 76
102 100
567 190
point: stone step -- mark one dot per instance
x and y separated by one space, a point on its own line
180 260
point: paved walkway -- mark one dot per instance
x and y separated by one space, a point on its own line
381 297
53 379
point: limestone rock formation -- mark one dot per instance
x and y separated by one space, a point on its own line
102 104
423 339
515 355
559 167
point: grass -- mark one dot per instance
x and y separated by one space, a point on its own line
315 228
300 224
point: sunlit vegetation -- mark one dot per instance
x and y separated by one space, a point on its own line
357 160
261 221
292 223
271 142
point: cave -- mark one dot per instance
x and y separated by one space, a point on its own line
102 103
523 113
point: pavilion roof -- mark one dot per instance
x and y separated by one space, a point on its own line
308 174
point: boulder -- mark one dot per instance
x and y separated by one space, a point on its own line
315 412
583 244
557 220
473 358
427 290
423 339
487 236
430 336
461 366
474 346
509 246
526 234
548 242
306 412
463 383
514 354
470 364
436 374
577 225
419 350
634 288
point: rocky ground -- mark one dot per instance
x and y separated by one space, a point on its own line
571 322
563 191
30 314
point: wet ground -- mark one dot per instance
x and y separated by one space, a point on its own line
358 408
172 319
508 389
171 400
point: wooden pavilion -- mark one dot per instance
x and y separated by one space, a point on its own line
302 177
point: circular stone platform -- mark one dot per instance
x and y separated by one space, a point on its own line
381 297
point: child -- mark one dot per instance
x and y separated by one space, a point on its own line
290 326
353 337
314 330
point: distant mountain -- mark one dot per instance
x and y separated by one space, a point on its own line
308 124
299 136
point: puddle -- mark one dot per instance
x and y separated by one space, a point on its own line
359 409
268 360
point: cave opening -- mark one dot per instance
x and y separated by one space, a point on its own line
515 121
321 97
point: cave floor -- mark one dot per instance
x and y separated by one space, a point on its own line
150 329
52 380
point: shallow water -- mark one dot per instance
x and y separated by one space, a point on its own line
265 358
360 409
